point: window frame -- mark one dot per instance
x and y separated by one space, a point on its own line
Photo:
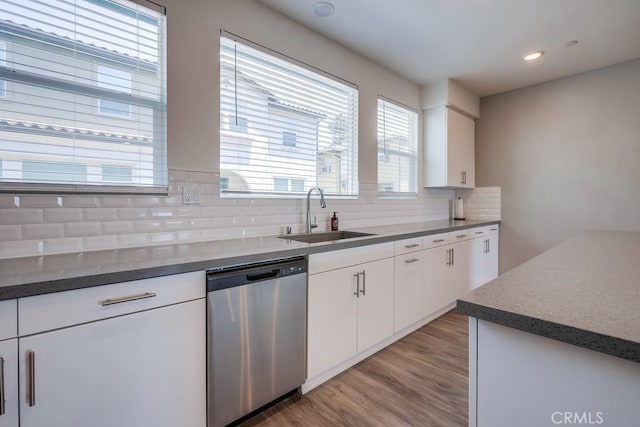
157 144
389 153
3 63
290 137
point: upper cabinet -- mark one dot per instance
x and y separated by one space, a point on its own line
449 135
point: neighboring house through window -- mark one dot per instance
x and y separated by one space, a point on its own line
397 149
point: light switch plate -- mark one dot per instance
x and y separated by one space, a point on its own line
191 194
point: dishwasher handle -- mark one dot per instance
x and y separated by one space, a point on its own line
263 275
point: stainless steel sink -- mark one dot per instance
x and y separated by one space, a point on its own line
328 236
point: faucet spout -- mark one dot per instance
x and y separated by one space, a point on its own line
323 204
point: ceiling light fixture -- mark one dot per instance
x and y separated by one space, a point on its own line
534 55
323 9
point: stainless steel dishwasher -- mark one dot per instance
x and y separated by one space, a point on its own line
256 344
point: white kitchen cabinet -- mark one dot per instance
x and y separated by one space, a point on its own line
407 305
449 148
142 365
484 257
446 272
8 363
350 308
9 383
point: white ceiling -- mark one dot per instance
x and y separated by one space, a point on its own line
479 43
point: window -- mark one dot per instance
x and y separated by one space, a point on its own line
3 63
397 148
116 80
298 116
88 92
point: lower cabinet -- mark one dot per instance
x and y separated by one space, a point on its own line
484 258
145 368
349 310
9 383
407 304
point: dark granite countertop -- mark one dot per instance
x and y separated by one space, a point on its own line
585 291
28 276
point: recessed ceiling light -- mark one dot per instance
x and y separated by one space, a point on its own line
323 9
533 55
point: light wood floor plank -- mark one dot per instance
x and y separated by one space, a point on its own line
420 380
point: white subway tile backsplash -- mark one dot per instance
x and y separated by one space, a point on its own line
20 216
64 245
10 232
81 229
117 227
9 201
42 231
62 215
132 213
40 201
104 222
100 214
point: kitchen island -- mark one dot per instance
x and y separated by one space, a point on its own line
557 340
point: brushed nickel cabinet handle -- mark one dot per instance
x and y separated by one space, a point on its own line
453 256
2 400
449 257
460 236
364 282
357 292
438 240
409 261
31 368
488 245
479 232
112 301
493 229
413 245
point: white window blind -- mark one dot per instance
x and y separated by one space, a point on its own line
397 149
281 123
84 87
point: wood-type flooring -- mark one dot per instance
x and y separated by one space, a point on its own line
420 380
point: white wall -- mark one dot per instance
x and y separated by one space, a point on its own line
567 156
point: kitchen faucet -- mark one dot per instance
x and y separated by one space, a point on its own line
311 226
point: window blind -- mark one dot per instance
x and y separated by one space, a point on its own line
284 127
397 148
84 105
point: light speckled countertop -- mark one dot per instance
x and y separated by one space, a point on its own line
22 277
585 291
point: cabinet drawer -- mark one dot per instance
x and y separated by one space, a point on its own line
8 319
408 245
57 310
333 260
461 235
435 240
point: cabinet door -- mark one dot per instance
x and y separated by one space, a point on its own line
438 289
460 150
141 369
332 317
484 260
462 276
9 383
407 304
375 304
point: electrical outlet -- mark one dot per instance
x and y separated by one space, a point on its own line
191 194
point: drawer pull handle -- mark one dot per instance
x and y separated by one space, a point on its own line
438 240
493 229
460 236
112 301
479 232
31 366
2 400
413 245
409 261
